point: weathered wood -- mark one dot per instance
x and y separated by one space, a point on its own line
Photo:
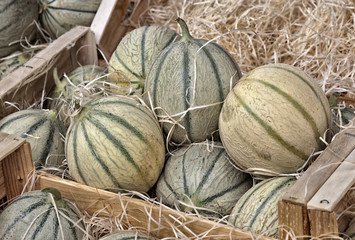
337 185
32 81
108 17
322 168
293 220
323 224
104 203
16 164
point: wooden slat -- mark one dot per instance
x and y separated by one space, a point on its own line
323 223
106 203
292 218
16 168
324 166
107 19
8 144
27 84
335 188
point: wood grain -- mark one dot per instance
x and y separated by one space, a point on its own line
323 167
107 19
104 203
30 82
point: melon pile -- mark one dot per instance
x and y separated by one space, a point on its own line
173 116
41 21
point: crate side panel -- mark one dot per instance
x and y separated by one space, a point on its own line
17 168
104 203
323 167
32 81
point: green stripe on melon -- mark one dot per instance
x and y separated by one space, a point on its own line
115 142
34 216
202 177
257 209
11 29
190 73
134 55
273 119
42 130
59 16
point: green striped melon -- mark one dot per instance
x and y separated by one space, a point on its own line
59 16
204 178
127 235
134 55
13 61
257 209
115 143
273 119
42 130
69 91
41 215
187 84
17 19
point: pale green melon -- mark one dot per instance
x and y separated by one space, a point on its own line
41 215
42 129
273 119
187 85
115 143
134 55
17 19
59 16
203 177
257 209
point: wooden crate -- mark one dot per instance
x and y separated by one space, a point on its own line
317 203
311 207
28 83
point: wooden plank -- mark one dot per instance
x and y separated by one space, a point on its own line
322 168
335 188
104 25
8 144
16 168
30 82
93 200
293 220
2 184
323 224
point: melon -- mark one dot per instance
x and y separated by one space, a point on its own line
115 143
273 119
187 85
42 130
11 29
80 85
201 177
134 55
257 209
127 235
13 61
59 16
41 215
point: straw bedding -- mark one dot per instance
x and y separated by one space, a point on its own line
317 36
